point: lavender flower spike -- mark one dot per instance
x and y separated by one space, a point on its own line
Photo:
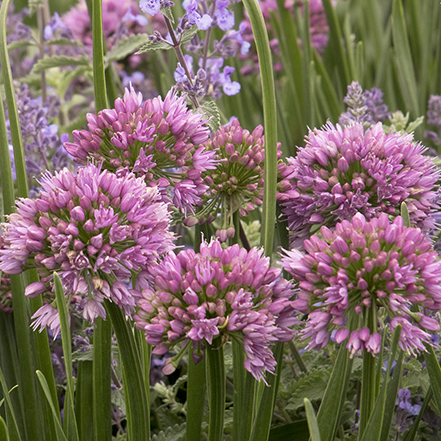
363 269
230 292
95 229
344 171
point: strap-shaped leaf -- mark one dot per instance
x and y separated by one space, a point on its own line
59 61
312 421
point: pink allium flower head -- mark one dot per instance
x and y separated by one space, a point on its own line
237 181
95 229
341 172
218 293
157 139
364 270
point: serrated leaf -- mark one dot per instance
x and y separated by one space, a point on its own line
20 44
166 12
189 34
414 124
127 46
118 400
210 109
174 433
311 385
59 61
154 46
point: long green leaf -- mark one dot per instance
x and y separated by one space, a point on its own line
102 341
10 415
3 430
314 431
403 59
262 422
138 410
434 370
374 426
60 433
270 124
69 423
84 400
330 407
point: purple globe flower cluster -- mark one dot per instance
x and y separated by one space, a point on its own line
363 271
236 184
230 292
342 171
95 229
158 140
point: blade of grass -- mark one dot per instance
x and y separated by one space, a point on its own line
14 433
403 60
314 431
99 80
3 430
270 124
60 433
84 400
69 421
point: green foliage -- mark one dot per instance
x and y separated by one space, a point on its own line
59 61
311 385
126 46
162 45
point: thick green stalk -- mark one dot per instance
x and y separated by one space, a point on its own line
270 124
99 79
216 391
138 427
368 390
102 341
239 383
196 386
84 400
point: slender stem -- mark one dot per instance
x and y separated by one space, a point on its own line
216 391
270 124
244 238
248 407
297 356
102 340
84 408
181 59
196 386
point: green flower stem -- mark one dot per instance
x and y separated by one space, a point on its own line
99 80
239 386
145 351
297 356
216 390
20 167
270 123
196 386
248 407
262 422
138 412
102 417
368 382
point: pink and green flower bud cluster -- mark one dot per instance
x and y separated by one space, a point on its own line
157 139
363 271
344 171
95 229
218 293
236 184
